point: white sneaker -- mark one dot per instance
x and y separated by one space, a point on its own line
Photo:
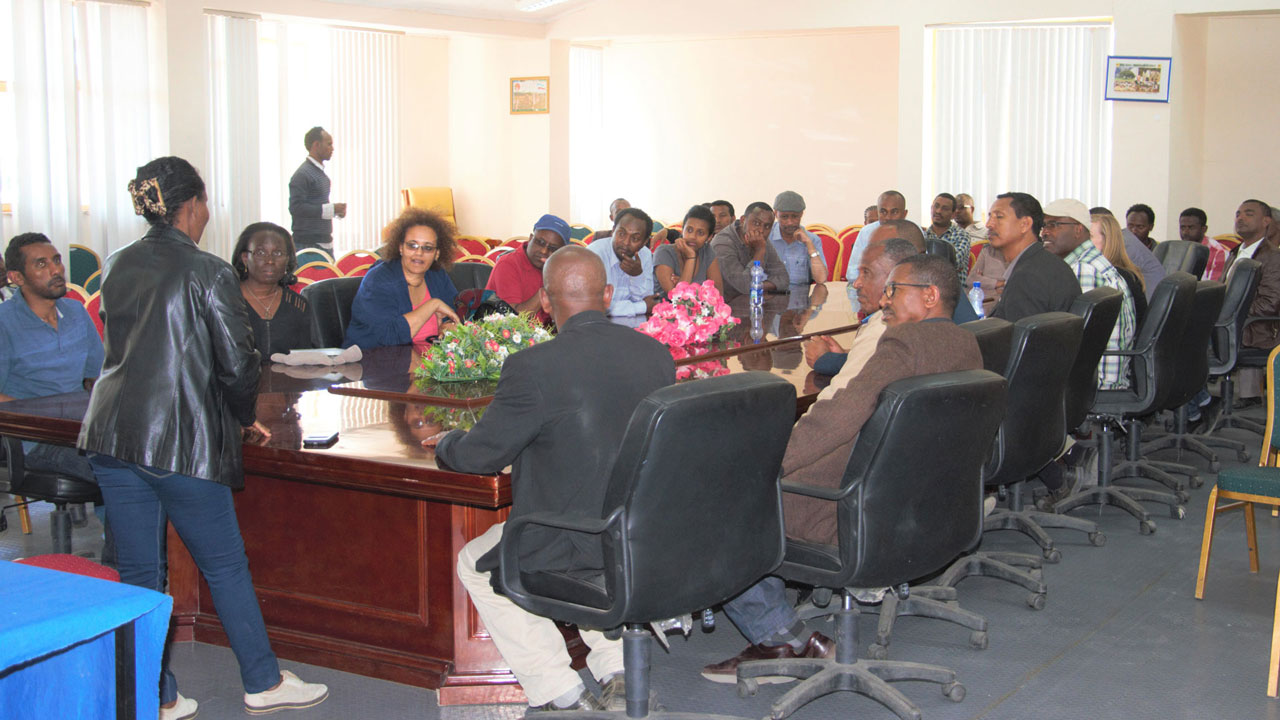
292 694
183 709
988 505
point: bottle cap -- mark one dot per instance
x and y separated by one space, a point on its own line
977 284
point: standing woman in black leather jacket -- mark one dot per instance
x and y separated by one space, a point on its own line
165 422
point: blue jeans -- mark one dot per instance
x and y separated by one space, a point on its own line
762 610
139 500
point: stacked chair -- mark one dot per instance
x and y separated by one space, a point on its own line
889 492
1153 364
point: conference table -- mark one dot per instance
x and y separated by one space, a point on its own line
352 547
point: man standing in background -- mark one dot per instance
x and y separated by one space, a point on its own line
309 195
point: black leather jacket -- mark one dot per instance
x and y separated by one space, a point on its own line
181 373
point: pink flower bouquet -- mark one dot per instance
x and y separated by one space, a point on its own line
693 316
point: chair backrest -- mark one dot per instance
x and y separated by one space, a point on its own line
1099 308
831 249
697 478
941 248
470 275
1044 349
1242 285
1193 349
1182 256
1156 346
994 336
329 302
436 199
909 513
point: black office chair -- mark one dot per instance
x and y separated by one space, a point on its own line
470 275
330 304
61 490
1242 285
1100 309
1190 379
994 336
942 249
1182 256
669 551
1152 363
901 514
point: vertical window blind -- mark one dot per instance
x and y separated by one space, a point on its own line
587 203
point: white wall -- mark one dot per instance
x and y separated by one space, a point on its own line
743 118
424 111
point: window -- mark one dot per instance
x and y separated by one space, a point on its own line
1019 107
586 152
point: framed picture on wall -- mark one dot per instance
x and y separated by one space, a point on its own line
1142 79
530 95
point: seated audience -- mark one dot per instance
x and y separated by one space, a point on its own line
517 276
1193 223
1108 237
870 215
407 295
1067 229
615 207
690 258
628 263
964 218
1152 269
724 214
1035 281
989 269
1140 219
1253 222
891 205
743 242
800 250
920 339
944 228
557 419
1273 230
264 259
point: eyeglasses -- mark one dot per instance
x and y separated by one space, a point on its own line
539 242
415 247
1055 224
891 288
263 254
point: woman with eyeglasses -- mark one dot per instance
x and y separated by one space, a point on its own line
265 260
408 295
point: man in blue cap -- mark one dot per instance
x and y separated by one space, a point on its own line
517 276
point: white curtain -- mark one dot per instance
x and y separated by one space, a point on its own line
232 169
1020 108
85 109
587 203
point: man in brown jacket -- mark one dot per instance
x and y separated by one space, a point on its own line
1253 221
917 303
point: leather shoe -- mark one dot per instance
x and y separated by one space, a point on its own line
818 646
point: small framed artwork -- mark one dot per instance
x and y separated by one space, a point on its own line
1144 79
530 95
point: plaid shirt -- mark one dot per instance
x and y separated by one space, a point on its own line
959 239
1095 271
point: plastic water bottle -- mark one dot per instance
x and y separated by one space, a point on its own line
757 323
976 296
757 286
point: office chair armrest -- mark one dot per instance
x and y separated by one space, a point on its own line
822 493
1259 318
1124 353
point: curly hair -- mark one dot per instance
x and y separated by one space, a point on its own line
446 247
242 246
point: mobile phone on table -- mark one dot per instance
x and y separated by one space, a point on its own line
316 441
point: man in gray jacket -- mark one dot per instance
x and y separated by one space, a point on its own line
309 195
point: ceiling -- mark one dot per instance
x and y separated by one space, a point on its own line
493 9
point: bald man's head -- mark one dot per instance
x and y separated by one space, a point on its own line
574 280
904 229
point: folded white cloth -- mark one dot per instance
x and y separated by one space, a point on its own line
319 356
336 373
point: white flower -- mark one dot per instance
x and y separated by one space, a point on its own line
516 337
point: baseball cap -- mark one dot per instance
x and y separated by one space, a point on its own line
551 222
1073 209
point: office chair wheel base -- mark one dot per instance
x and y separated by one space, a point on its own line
1177 512
978 640
1146 527
748 687
1242 456
1052 555
1036 601
1182 496
876 651
953 691
1097 539
4 522
1214 467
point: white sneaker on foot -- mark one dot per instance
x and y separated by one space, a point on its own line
291 694
183 709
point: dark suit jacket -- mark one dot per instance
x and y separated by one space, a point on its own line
823 439
558 417
1041 282
1266 303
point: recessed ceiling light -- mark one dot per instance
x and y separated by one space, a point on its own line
535 5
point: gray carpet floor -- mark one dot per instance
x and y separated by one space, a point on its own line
1122 636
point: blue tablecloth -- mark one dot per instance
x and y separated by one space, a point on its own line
57 645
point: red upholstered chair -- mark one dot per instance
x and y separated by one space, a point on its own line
1230 241
820 228
77 293
472 245
848 235
975 250
831 250
475 259
314 272
355 260
94 306
360 271
841 269
513 241
499 251
306 256
73 564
